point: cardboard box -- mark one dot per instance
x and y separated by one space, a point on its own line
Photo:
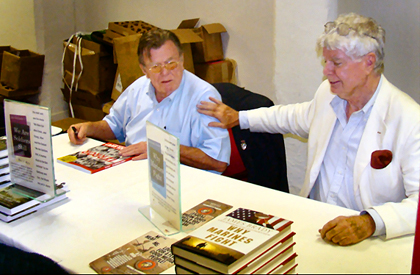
9 49
22 69
125 49
11 93
211 49
187 37
118 87
87 113
85 98
98 66
218 71
130 27
107 106
110 35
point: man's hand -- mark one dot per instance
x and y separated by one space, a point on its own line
227 116
79 136
348 230
139 150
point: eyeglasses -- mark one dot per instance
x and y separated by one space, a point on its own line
344 29
171 65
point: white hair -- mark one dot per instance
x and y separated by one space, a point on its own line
365 36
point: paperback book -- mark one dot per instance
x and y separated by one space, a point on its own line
96 159
203 213
230 243
149 254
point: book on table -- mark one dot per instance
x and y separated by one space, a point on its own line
268 261
203 213
3 147
13 204
31 209
288 266
4 174
150 253
96 159
239 242
26 154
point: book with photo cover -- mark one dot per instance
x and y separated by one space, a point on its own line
32 209
229 243
203 213
14 205
12 202
96 159
149 254
268 261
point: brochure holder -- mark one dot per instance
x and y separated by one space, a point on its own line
163 154
29 145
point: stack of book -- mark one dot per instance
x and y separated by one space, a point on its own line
4 162
242 242
14 205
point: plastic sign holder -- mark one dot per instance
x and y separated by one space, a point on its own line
29 145
163 154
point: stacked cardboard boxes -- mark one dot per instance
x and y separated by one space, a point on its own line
209 60
88 73
203 55
21 74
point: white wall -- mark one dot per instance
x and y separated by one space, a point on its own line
17 24
249 23
273 42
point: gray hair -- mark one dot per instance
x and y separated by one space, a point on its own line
364 36
154 39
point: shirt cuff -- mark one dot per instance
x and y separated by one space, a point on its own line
380 225
243 120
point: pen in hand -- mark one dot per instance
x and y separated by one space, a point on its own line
75 132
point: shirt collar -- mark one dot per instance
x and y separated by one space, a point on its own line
337 102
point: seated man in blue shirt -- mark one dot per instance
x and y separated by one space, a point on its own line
166 96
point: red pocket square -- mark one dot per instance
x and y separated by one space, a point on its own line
380 159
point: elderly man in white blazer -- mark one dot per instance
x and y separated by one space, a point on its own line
363 135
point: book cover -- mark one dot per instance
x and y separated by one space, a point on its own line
229 243
203 213
149 254
12 202
260 265
32 209
3 147
21 136
96 159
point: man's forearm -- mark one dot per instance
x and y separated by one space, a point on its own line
100 130
196 158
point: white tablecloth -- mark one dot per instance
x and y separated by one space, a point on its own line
102 214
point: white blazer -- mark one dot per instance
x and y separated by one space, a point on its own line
394 124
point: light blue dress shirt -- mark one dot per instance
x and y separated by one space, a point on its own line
177 114
335 183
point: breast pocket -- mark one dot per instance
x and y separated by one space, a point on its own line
385 185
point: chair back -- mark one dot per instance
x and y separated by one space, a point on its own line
262 154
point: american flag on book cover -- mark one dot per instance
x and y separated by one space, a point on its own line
259 218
